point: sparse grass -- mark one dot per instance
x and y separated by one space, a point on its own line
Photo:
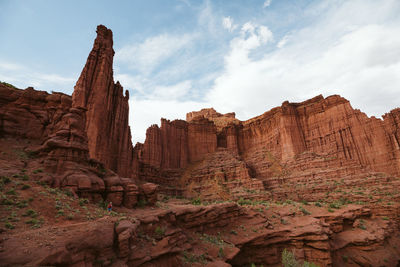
196 201
216 240
83 201
159 231
304 202
8 85
5 180
361 224
11 192
9 225
25 186
31 213
304 211
22 204
37 171
289 260
141 203
193 258
221 253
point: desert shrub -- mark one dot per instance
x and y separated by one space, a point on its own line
242 202
159 231
141 203
37 171
196 201
221 253
30 213
8 85
289 260
11 192
83 201
25 186
192 258
304 211
9 225
5 179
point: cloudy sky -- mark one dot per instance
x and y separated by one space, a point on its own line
176 56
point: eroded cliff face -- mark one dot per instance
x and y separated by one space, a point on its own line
29 113
107 114
326 126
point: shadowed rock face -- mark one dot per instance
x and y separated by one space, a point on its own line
107 114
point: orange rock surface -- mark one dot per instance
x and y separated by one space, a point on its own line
107 113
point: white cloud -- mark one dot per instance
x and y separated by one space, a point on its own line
9 66
25 76
251 37
267 3
144 113
283 41
172 92
352 50
146 56
227 23
207 19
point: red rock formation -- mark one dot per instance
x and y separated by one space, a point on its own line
220 120
170 148
325 126
107 108
202 138
29 113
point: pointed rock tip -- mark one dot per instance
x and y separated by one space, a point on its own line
104 32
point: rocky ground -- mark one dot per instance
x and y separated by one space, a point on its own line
41 225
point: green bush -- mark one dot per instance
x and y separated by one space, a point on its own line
30 213
83 201
11 192
25 186
289 260
8 85
32 221
196 201
304 211
37 171
9 225
159 231
242 202
5 179
141 203
221 253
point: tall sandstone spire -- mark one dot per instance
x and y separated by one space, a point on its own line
107 114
